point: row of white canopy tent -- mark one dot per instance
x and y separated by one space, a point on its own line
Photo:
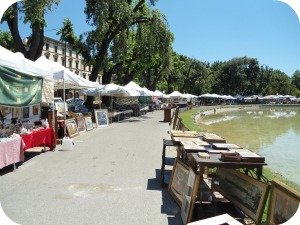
131 90
48 70
225 97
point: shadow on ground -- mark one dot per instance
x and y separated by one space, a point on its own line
169 206
10 168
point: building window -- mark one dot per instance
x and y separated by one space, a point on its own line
84 67
47 46
84 75
77 64
63 51
70 53
47 56
55 49
70 63
55 59
89 68
63 62
77 55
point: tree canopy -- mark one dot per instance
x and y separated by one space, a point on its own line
33 14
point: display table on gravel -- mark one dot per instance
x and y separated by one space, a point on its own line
39 138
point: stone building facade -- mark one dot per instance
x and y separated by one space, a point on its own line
56 51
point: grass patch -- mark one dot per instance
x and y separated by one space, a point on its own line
189 121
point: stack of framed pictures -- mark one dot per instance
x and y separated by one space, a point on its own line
183 187
78 125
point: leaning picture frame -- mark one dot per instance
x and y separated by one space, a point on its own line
284 204
61 107
81 126
243 191
101 117
71 127
178 180
189 196
25 111
88 123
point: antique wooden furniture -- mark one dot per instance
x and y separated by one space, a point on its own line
166 160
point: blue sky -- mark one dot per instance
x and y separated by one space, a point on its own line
211 30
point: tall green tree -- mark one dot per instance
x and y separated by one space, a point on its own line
6 40
107 19
32 13
238 76
153 50
280 83
296 79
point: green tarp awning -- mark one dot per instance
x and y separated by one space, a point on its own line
19 89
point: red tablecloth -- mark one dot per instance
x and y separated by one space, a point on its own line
11 151
42 137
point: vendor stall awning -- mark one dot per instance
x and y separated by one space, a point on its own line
19 89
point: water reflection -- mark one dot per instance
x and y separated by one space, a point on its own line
273 132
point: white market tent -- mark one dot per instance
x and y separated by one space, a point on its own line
18 62
134 89
147 92
186 95
176 94
207 95
158 94
71 80
107 90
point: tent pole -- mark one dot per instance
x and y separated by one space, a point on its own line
64 99
99 101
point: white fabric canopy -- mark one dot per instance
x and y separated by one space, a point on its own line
175 94
134 89
158 93
18 62
72 80
147 92
107 90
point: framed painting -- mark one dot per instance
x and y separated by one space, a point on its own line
25 112
60 106
35 110
16 113
178 180
101 117
71 127
284 204
89 123
81 124
245 192
189 196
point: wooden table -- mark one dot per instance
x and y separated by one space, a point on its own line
189 145
199 165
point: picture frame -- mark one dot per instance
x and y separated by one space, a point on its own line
101 117
16 113
35 110
284 204
59 106
243 191
25 112
189 196
71 127
88 123
178 180
80 120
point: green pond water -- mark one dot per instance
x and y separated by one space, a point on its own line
273 132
